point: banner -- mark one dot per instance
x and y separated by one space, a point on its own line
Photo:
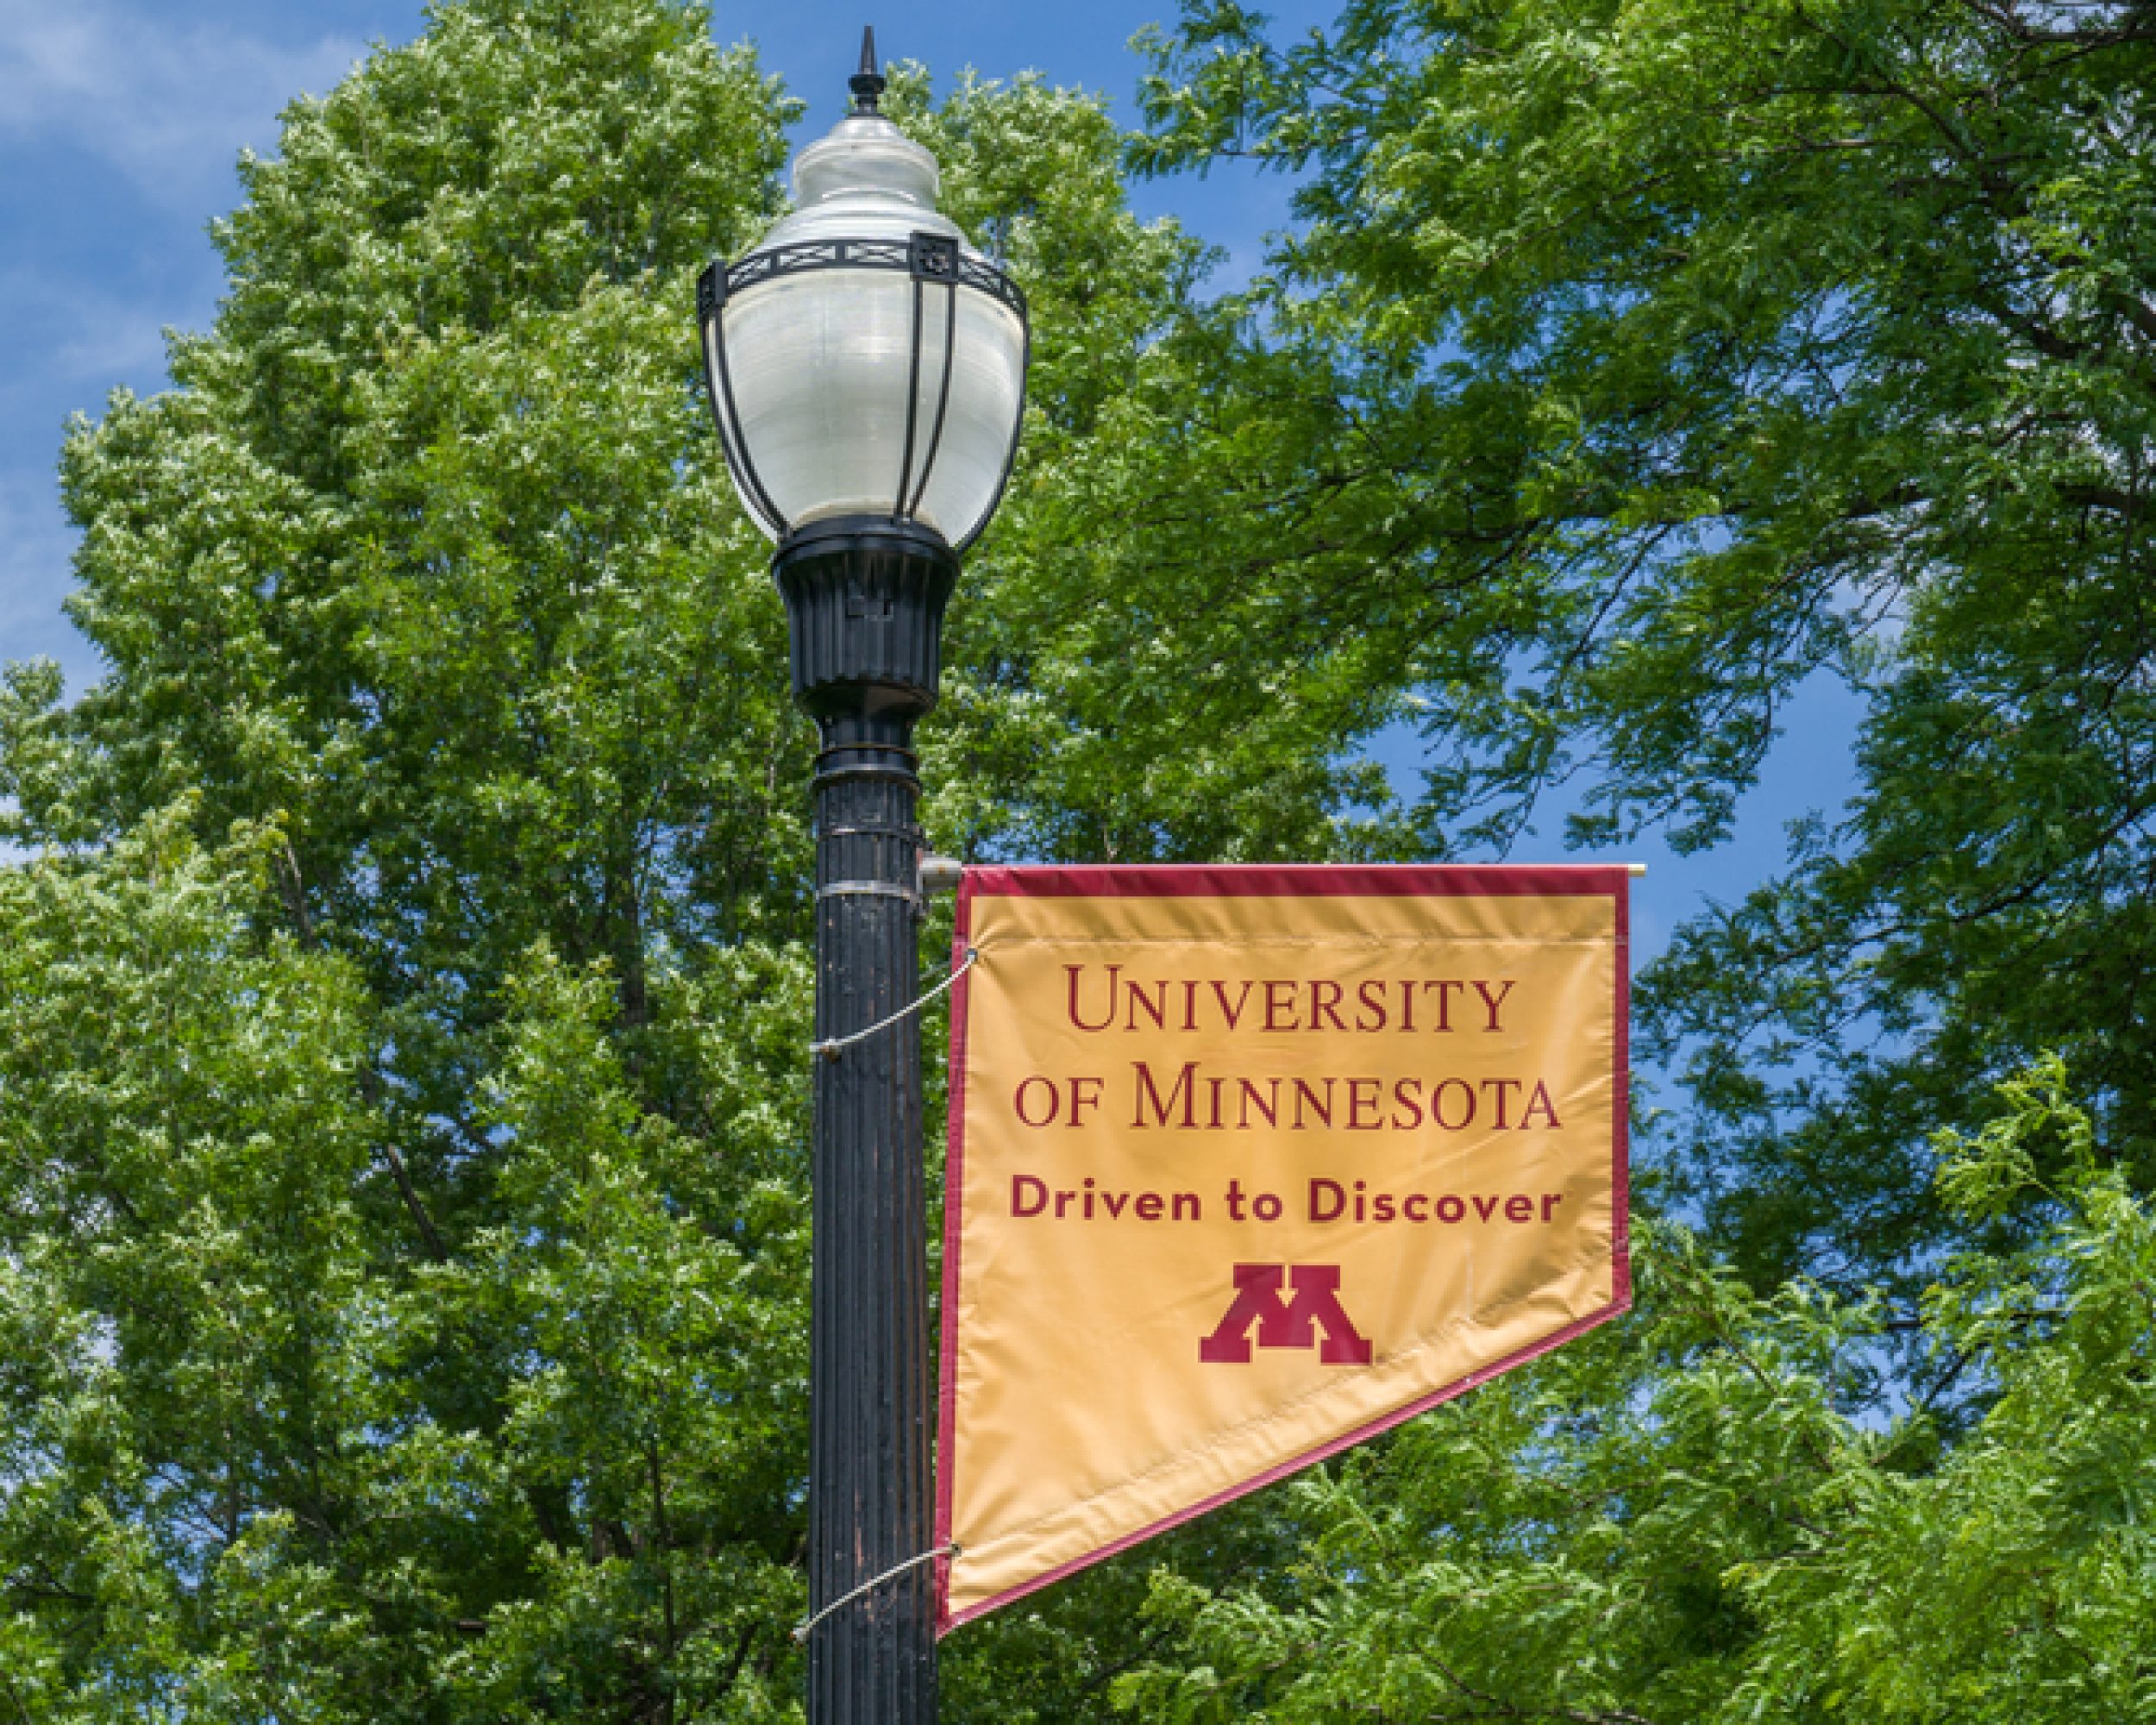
1248 1165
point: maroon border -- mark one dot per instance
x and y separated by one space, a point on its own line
1313 880
1299 879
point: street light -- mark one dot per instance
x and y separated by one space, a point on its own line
867 368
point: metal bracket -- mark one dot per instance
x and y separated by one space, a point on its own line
941 875
873 889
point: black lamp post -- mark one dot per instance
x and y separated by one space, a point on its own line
867 371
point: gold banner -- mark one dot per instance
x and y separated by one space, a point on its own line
1248 1165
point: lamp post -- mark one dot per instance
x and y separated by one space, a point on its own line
867 368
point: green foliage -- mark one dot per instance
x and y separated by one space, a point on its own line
429 556
253 1471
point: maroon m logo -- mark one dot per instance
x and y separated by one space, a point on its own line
1284 1323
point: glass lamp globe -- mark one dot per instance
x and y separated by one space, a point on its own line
864 363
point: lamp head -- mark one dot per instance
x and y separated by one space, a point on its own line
866 364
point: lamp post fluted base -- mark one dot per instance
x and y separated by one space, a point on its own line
865 605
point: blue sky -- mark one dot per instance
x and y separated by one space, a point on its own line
120 121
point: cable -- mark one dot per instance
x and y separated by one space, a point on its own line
829 1049
801 1630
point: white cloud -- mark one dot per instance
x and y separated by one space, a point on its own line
167 103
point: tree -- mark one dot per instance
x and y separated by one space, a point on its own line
259 1464
1696 350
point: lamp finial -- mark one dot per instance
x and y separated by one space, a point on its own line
867 83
